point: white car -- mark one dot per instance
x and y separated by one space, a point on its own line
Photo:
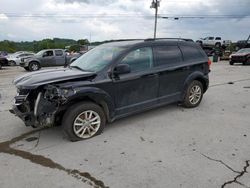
15 59
214 41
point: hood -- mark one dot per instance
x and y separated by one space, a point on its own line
36 79
30 57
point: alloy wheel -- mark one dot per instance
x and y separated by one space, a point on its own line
86 124
195 94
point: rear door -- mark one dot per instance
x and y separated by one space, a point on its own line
172 72
59 58
136 90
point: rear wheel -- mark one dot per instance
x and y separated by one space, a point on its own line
194 94
217 45
83 121
34 66
231 62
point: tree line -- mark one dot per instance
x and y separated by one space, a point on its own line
35 46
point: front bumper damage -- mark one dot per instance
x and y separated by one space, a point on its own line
39 109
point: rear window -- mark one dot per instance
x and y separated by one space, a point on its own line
58 52
167 55
191 53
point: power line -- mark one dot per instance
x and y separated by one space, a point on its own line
118 16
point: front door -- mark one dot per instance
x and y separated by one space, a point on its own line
136 90
48 58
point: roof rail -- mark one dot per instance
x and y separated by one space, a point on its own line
179 39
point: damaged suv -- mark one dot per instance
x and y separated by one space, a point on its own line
112 81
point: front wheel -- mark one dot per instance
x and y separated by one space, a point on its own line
193 95
34 66
231 62
83 121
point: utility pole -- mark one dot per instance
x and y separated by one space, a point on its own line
155 4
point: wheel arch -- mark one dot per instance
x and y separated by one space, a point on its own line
195 76
34 60
96 96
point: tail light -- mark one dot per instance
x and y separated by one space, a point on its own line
209 63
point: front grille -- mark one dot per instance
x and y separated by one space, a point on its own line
20 99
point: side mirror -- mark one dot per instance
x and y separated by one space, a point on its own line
122 69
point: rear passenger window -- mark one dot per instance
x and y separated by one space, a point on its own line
58 52
167 55
191 53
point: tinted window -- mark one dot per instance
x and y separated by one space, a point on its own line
210 38
58 52
191 53
167 55
139 60
217 38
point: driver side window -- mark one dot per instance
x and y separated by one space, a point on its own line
139 60
48 53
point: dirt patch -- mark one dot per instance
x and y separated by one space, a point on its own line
46 162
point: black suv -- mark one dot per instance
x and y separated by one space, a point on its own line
112 81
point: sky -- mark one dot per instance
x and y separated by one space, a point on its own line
98 20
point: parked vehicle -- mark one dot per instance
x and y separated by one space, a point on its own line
112 81
214 41
15 59
3 59
243 43
241 56
46 58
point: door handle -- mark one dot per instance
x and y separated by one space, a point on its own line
149 75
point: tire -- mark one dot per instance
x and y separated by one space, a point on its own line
0 65
34 66
247 61
217 45
77 127
12 63
231 62
194 89
26 68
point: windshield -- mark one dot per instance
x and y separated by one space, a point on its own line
244 50
40 53
97 58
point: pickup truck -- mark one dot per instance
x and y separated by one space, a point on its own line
47 58
213 41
